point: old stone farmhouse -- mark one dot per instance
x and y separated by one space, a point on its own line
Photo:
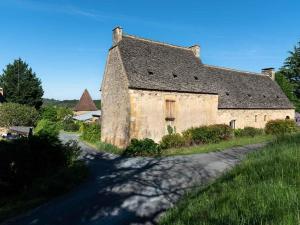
149 85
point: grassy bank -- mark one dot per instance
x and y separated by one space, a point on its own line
263 189
235 142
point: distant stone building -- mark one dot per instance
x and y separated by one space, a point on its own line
149 85
85 104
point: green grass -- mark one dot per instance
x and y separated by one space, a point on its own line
218 146
263 190
103 147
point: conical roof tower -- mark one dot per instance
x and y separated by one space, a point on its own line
85 103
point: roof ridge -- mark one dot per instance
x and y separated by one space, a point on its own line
156 42
235 70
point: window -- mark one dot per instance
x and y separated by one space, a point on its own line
174 75
170 110
255 118
150 72
287 117
232 124
195 77
265 117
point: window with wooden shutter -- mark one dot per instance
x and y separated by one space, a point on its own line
170 110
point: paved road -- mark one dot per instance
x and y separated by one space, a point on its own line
130 190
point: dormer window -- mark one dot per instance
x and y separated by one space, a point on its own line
174 75
150 72
195 77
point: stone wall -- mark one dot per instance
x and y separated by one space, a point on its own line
148 112
246 117
115 102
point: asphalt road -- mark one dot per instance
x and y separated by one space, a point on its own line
130 190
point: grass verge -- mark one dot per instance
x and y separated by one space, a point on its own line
263 189
235 142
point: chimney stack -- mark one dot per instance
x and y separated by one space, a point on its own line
196 50
117 35
269 72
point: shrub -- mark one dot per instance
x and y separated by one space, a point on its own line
25 160
172 141
208 134
49 113
280 127
13 114
142 147
91 132
68 124
248 132
47 128
108 147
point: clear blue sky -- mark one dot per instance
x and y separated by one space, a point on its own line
66 42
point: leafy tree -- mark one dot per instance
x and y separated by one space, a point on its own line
49 113
47 128
21 84
63 113
14 114
291 68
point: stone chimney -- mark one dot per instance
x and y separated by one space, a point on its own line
269 72
117 35
196 50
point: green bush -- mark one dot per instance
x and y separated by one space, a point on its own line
47 128
142 147
68 124
248 132
13 114
208 134
49 113
90 132
23 161
172 141
102 146
280 127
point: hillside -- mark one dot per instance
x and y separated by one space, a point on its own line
66 103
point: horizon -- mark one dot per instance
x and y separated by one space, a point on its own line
66 42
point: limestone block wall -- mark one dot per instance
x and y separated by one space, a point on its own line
148 112
115 102
253 117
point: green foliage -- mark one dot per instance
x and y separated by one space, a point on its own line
101 146
263 189
47 128
49 113
248 132
144 147
90 132
208 134
14 114
68 124
64 113
21 85
280 127
25 160
172 141
171 130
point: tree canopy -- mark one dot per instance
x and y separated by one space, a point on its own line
21 84
288 77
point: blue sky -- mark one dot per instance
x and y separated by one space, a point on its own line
66 42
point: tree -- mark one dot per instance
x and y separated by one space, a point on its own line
21 85
14 114
291 68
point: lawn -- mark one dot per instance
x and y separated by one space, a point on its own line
263 189
241 141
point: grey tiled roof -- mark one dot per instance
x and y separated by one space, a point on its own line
157 66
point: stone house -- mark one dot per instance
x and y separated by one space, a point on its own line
148 85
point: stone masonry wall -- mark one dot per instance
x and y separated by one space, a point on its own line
246 117
115 102
148 112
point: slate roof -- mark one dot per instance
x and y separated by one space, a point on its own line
85 103
88 115
152 65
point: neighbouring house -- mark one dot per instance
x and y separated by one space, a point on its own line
149 85
85 104
89 117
